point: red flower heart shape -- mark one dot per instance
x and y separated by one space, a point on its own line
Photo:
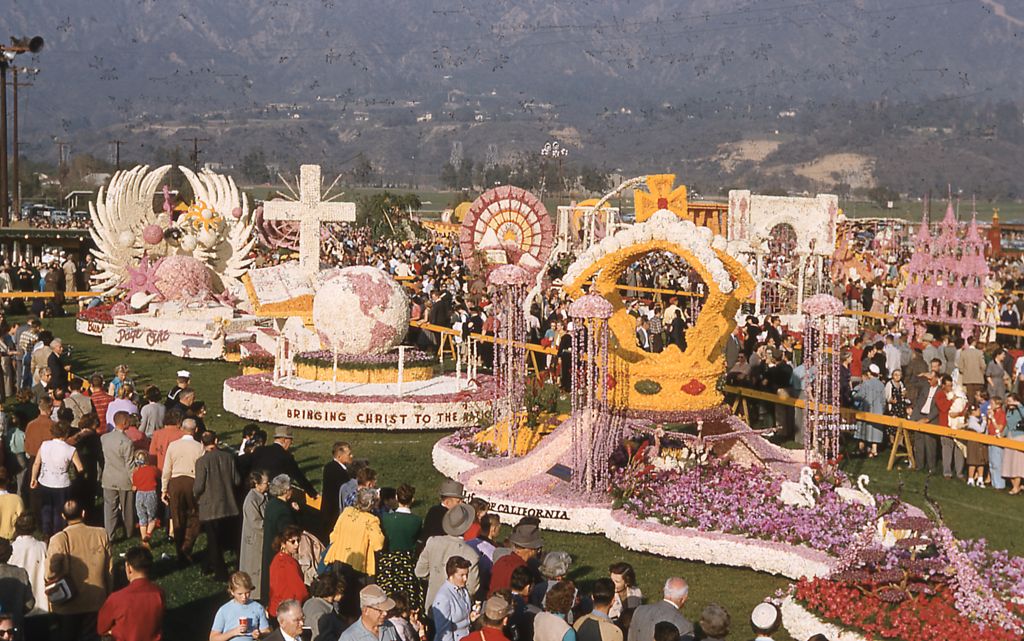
694 387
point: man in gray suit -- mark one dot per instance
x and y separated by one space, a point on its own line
214 489
925 410
434 557
116 480
675 593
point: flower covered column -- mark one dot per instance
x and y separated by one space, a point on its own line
822 420
510 283
596 428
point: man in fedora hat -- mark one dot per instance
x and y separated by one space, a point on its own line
526 545
495 617
373 624
432 561
276 459
451 495
933 351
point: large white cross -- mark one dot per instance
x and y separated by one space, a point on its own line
310 211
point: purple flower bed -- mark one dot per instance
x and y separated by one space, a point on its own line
1005 573
723 497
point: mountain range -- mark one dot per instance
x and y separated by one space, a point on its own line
590 72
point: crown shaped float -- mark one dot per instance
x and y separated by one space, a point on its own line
672 380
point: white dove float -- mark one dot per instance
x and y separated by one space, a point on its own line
176 282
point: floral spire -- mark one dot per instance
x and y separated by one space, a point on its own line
923 236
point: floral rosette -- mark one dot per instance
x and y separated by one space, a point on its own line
508 275
591 306
823 305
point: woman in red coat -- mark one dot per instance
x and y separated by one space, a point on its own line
285 576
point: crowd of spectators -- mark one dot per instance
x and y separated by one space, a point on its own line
39 221
940 379
348 560
90 462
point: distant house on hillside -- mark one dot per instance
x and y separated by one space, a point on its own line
97 179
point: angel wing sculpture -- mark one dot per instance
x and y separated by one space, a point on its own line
218 229
228 254
121 211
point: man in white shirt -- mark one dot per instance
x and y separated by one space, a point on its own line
178 482
892 354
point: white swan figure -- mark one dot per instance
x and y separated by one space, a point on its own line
859 495
802 493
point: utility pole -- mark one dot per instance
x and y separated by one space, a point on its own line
7 55
16 182
117 153
61 146
195 151
4 212
5 216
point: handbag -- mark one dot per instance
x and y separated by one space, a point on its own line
60 591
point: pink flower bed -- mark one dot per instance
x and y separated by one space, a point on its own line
261 384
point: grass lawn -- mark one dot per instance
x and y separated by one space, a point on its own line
193 598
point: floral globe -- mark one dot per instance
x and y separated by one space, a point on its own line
361 311
180 277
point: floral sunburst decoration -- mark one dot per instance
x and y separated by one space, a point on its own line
202 217
141 279
661 195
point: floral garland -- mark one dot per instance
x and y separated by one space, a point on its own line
325 358
664 226
262 385
510 282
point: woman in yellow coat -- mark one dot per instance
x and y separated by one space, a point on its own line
357 536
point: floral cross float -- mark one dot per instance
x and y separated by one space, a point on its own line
661 196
